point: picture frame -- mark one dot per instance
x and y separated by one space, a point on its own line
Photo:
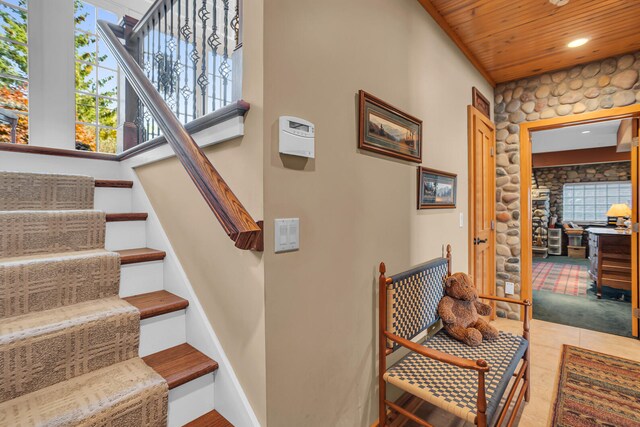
387 130
480 102
436 189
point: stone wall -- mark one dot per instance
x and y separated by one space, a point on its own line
554 178
612 82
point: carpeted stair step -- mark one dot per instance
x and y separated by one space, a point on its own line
25 233
36 191
40 349
210 419
47 281
181 364
128 393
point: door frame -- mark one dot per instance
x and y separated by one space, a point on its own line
526 168
471 112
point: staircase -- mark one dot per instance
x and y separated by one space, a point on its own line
88 334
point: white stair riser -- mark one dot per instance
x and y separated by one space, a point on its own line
125 235
191 400
162 332
141 278
112 200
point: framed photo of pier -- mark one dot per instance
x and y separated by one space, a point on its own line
436 189
387 130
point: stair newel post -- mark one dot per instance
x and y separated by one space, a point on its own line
130 131
525 335
382 345
482 398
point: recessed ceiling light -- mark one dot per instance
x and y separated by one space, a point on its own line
578 42
586 131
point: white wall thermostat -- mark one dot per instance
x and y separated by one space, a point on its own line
297 137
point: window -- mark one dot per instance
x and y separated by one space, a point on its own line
14 73
591 201
97 77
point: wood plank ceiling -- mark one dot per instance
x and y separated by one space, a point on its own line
511 39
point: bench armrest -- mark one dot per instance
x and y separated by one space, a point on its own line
476 365
525 303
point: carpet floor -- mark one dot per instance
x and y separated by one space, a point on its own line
596 389
561 278
610 314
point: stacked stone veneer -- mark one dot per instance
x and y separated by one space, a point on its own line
554 178
612 82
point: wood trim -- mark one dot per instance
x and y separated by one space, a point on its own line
132 256
113 183
525 177
50 151
156 303
129 216
431 9
579 157
635 256
180 364
237 109
210 419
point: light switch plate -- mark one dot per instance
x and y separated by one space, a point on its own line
287 234
509 288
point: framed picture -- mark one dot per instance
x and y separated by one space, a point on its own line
436 189
386 130
480 102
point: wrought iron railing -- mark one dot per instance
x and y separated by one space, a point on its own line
234 218
187 49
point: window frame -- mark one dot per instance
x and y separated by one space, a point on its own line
97 66
16 78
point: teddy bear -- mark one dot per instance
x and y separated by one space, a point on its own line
460 311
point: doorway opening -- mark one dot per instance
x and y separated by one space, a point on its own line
579 253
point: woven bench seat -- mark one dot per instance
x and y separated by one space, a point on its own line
455 389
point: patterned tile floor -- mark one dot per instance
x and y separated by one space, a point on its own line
546 344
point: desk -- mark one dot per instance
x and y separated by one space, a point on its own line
610 256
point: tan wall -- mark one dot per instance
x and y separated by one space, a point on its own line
229 282
355 208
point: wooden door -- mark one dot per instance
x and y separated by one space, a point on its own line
635 239
482 201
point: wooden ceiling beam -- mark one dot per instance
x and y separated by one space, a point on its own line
431 9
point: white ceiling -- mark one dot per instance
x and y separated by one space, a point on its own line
601 134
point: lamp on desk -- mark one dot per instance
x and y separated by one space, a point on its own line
621 211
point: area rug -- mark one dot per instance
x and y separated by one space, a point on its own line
567 279
596 389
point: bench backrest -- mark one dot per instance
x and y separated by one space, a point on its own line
413 297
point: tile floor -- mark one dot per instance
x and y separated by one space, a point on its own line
546 344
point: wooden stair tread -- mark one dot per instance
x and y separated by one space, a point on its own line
130 256
128 216
113 183
210 419
180 364
156 303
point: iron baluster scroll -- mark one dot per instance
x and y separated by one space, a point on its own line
187 49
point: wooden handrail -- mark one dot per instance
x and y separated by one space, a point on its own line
234 218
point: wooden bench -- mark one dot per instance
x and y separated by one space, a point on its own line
469 382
